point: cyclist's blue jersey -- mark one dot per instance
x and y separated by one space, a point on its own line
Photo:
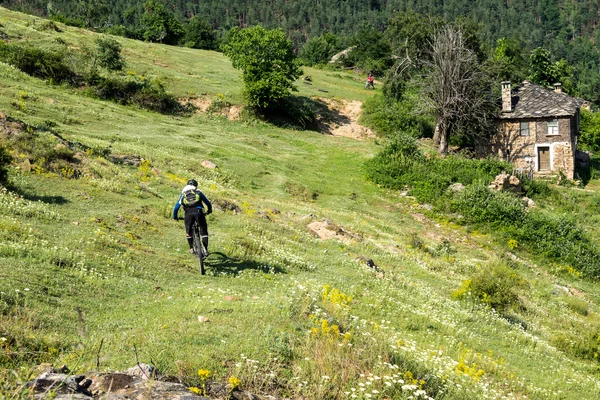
198 207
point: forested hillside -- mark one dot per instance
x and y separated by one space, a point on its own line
537 22
566 28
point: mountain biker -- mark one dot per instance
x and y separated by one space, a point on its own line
370 81
192 199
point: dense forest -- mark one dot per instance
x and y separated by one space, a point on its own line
565 28
550 23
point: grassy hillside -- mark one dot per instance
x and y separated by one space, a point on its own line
93 272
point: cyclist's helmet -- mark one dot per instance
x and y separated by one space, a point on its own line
192 182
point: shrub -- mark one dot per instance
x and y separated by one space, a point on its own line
585 345
401 164
108 54
132 89
387 117
494 285
479 204
37 62
5 160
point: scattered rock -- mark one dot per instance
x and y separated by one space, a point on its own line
131 384
309 216
456 187
371 264
506 182
131 159
202 319
243 395
427 207
326 229
528 202
208 164
226 205
231 298
559 289
142 370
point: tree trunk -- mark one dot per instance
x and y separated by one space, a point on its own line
443 139
436 134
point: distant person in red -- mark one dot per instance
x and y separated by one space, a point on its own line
370 82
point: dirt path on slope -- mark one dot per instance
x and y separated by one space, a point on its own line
342 119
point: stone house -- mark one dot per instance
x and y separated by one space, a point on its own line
538 129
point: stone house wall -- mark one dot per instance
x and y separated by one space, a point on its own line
522 151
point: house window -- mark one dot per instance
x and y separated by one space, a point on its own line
553 127
524 128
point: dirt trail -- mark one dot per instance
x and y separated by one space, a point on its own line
343 119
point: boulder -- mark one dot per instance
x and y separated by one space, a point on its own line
208 164
528 202
456 187
506 182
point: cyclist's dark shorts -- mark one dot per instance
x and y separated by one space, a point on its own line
190 217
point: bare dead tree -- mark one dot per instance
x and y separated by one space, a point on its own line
455 88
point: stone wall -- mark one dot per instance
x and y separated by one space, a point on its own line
521 151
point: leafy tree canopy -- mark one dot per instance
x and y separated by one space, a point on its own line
199 34
546 73
160 24
268 63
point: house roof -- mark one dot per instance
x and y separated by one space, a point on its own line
534 101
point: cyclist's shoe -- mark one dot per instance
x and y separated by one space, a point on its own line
192 251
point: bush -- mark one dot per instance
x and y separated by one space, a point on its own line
132 89
387 117
479 204
37 62
402 165
585 345
108 54
494 285
5 160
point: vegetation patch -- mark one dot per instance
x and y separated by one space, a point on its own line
44 64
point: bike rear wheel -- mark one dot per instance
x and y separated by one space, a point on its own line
199 250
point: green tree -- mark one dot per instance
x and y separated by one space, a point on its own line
546 73
589 138
160 25
267 61
320 49
200 35
507 62
371 51
108 54
92 12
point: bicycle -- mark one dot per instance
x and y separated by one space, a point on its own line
199 250
369 85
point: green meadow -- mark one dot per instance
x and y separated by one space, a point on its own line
94 273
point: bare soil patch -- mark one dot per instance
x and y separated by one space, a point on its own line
342 119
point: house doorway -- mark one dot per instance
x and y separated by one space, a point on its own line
543 158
